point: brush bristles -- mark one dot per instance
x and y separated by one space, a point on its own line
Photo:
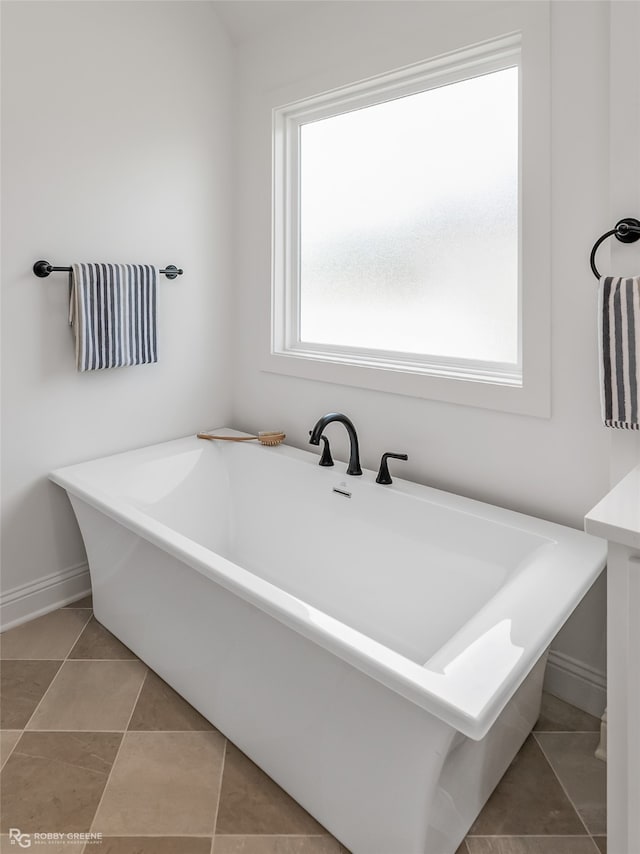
271 438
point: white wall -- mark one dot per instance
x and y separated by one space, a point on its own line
556 468
116 146
624 172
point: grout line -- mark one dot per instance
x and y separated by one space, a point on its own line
92 847
63 660
596 850
89 846
115 759
563 731
60 665
530 835
135 658
570 799
222 836
543 836
133 731
217 809
79 636
80 633
5 758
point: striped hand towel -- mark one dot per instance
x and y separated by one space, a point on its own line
619 322
112 309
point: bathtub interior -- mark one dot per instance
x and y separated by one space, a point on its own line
274 512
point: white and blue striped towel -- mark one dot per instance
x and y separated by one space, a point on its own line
113 309
619 339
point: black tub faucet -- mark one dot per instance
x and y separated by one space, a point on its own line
354 454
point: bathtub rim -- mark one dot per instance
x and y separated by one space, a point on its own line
461 699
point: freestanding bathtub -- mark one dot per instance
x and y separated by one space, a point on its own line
377 650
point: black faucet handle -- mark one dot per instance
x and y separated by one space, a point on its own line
325 458
383 474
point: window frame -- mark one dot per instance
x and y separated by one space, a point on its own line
524 388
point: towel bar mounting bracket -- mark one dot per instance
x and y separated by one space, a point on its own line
43 268
172 272
628 230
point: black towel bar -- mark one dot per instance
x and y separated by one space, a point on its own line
43 268
626 231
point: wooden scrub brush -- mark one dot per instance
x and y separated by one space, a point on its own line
266 437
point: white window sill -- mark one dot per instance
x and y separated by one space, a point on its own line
528 398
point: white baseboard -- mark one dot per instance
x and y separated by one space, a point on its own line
46 594
576 683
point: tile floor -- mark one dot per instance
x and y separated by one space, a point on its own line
92 740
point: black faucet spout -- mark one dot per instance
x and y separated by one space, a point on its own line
354 454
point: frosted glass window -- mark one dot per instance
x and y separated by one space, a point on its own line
408 224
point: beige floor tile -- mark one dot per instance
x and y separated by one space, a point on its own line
53 781
251 803
163 783
159 707
276 845
528 800
96 642
90 695
601 842
48 637
558 716
87 602
7 847
531 845
583 776
463 848
8 740
152 845
22 685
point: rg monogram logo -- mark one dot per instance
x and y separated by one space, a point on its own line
21 839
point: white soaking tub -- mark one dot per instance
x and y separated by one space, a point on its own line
379 654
